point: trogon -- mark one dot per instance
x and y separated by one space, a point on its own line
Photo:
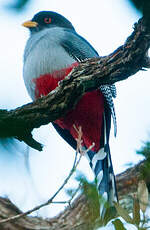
53 49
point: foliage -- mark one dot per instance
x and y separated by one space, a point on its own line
142 5
18 5
90 191
140 203
117 215
140 199
145 169
118 224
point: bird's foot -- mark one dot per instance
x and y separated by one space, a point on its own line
79 139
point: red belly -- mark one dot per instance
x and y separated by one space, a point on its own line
88 112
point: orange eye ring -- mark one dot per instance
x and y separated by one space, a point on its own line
47 20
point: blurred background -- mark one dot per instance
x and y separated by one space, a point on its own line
106 25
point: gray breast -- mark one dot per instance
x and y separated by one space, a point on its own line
44 54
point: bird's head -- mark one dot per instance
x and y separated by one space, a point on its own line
47 19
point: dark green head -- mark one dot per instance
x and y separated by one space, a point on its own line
47 19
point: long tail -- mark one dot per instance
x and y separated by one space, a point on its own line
101 165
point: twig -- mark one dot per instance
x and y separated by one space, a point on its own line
75 164
50 201
74 194
59 202
82 152
70 200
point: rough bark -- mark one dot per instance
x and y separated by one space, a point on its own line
80 216
89 75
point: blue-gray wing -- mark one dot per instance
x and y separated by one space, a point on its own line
77 46
80 49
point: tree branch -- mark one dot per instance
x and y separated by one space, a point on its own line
79 216
127 60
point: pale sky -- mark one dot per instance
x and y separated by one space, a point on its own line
106 26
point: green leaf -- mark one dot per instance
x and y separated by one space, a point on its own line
70 192
136 211
118 225
110 213
19 4
123 213
142 195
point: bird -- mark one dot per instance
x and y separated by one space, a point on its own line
52 51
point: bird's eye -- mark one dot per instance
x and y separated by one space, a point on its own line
47 20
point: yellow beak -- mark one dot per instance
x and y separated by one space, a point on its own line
30 24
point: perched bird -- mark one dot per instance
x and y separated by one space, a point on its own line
53 49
